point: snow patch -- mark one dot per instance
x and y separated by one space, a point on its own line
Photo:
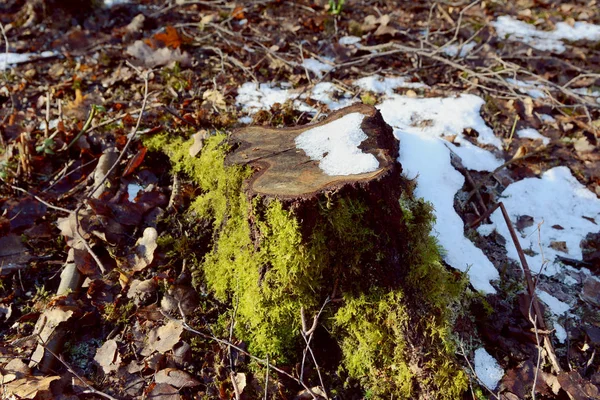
556 199
560 332
335 145
253 97
7 59
547 119
111 3
452 49
487 369
316 67
533 89
556 306
379 84
530 133
419 124
519 31
348 40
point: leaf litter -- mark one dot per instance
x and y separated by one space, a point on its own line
469 96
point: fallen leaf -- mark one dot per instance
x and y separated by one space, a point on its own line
108 357
170 37
136 24
164 338
46 328
158 57
32 387
142 291
577 387
13 254
163 391
175 377
135 162
216 98
199 138
144 249
239 382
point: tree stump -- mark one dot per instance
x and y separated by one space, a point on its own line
317 223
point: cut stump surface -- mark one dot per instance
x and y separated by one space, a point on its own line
283 170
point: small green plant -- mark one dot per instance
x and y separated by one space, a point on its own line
336 6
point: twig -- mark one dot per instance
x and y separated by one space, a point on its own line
38 198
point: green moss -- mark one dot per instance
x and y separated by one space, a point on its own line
373 326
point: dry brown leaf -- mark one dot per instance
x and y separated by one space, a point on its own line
144 250
136 24
164 338
142 291
163 391
170 37
216 98
108 356
175 377
199 138
32 387
158 57
45 329
239 382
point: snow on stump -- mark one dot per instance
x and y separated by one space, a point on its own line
319 217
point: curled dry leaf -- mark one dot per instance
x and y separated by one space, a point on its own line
144 250
176 377
157 57
199 138
108 356
46 330
216 98
141 291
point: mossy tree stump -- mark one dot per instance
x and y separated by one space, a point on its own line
288 236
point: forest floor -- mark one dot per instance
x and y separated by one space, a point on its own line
491 101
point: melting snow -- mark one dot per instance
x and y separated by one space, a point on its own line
110 3
563 205
335 145
452 49
560 332
516 30
533 89
379 84
7 59
530 133
419 124
253 97
316 67
487 369
556 306
347 40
